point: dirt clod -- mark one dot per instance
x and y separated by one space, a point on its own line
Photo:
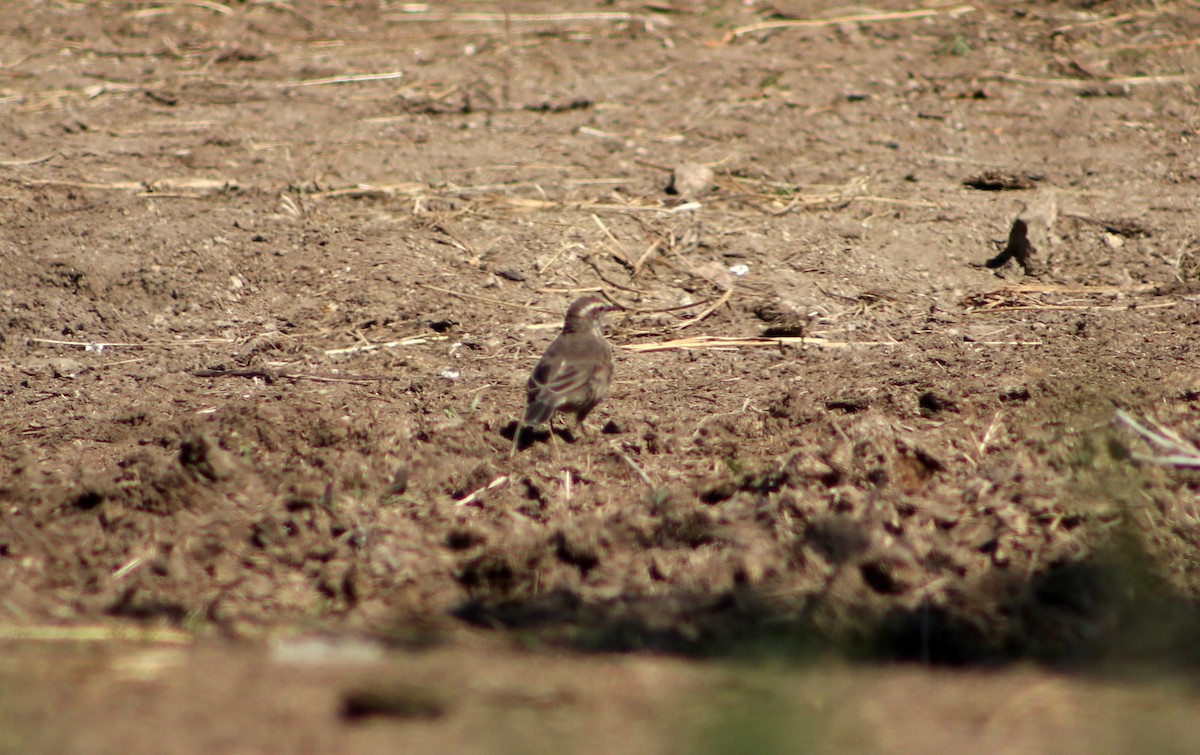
996 180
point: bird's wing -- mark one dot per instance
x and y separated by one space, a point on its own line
562 380
559 377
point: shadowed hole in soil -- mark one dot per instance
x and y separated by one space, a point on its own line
136 603
390 699
578 548
88 500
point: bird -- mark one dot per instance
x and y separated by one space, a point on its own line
574 373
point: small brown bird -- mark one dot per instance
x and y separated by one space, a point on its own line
574 373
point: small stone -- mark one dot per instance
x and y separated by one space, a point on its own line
690 180
65 367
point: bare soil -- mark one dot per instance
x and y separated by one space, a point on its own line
274 275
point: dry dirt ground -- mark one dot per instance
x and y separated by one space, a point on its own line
273 274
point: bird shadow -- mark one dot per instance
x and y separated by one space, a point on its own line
532 435
1091 615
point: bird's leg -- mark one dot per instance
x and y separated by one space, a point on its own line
582 429
553 440
516 440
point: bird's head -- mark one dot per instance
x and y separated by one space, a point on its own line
586 311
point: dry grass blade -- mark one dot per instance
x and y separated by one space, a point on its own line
224 10
31 161
89 345
573 291
728 343
775 191
271 376
116 186
659 310
859 18
14 64
475 495
641 473
345 79
102 345
517 18
361 348
611 283
1119 19
1022 298
654 247
708 311
1183 453
1075 307
150 189
543 267
988 434
99 633
1018 78
619 248
370 191
1160 46
1061 289
488 299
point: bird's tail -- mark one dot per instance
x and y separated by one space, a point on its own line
535 414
